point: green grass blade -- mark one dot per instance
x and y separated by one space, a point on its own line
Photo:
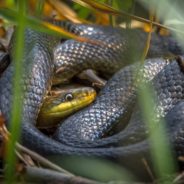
10 3
39 7
38 25
160 149
17 93
95 168
97 6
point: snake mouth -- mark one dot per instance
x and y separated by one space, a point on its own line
66 108
58 107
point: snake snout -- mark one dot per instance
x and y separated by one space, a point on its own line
61 105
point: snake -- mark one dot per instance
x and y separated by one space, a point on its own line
62 102
49 60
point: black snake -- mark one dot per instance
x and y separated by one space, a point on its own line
85 132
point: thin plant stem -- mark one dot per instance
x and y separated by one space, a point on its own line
17 93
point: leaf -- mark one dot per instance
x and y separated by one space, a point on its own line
65 11
123 5
39 25
92 4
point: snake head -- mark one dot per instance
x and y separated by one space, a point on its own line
62 103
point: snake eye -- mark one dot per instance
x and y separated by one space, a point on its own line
68 97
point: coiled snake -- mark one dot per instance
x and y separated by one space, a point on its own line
84 132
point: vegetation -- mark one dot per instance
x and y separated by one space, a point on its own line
148 15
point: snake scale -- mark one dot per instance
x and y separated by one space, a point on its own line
84 133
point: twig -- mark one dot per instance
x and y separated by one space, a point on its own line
40 174
21 157
147 46
91 76
56 174
179 178
6 135
148 169
42 160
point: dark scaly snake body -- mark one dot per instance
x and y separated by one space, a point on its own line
38 63
120 48
106 111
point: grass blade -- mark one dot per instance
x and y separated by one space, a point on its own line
17 93
38 25
160 149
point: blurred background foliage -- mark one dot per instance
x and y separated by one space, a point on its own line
167 17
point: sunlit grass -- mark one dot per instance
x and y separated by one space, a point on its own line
95 168
37 24
39 7
161 151
16 110
10 3
162 157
